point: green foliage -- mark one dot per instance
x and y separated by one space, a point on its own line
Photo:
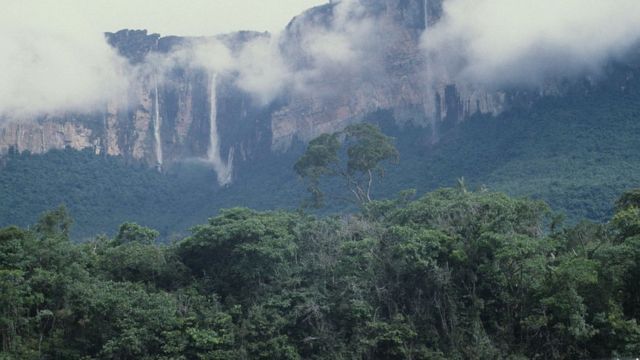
102 192
241 251
320 159
366 149
628 199
134 233
456 274
577 152
321 154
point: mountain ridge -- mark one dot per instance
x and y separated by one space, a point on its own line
472 132
126 126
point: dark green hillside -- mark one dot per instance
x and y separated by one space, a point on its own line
454 275
576 152
103 192
100 192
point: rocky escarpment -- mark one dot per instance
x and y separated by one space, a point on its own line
188 112
161 119
403 82
191 113
48 133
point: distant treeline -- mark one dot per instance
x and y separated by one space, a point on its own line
576 152
102 192
453 275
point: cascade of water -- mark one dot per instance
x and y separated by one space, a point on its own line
434 101
426 14
18 135
223 170
156 129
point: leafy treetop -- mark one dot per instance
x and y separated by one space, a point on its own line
354 155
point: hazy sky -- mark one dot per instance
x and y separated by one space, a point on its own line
167 17
55 57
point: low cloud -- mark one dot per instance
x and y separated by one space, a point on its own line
49 65
262 70
337 56
257 64
506 42
341 52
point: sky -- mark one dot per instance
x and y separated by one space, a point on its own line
167 17
55 57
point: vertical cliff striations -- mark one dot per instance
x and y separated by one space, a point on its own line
342 61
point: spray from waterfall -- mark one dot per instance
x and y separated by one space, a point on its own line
223 170
18 137
156 130
42 139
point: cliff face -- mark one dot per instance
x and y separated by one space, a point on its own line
46 134
404 81
158 122
198 115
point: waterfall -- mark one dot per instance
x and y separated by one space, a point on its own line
156 130
43 148
223 170
18 144
426 14
434 99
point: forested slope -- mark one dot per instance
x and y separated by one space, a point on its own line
102 192
577 152
453 275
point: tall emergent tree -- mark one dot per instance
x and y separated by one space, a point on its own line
354 154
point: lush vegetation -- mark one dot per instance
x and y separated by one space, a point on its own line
354 155
454 275
577 152
102 192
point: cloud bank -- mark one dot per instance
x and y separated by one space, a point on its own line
323 58
48 65
507 42
340 53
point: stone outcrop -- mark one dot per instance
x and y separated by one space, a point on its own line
38 137
180 106
405 83
402 82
